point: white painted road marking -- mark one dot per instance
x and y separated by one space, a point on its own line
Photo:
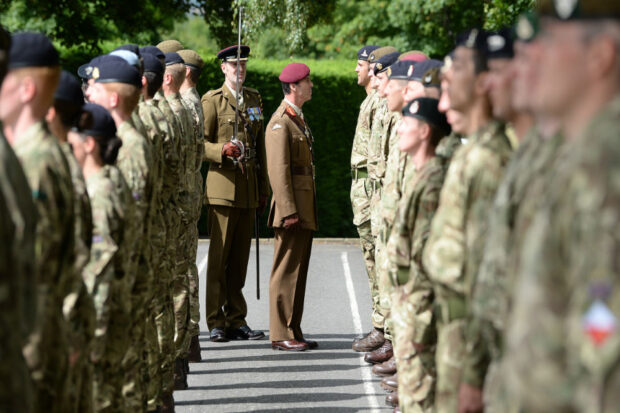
203 264
357 322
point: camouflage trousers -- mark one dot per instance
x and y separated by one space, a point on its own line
194 295
496 397
80 387
449 360
134 365
180 283
107 387
415 361
367 241
384 283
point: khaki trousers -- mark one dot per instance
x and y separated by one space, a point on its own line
229 250
287 285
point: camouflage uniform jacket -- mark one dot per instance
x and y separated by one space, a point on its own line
18 306
49 178
187 143
78 306
360 187
106 274
396 166
567 296
174 168
454 248
415 213
377 149
192 101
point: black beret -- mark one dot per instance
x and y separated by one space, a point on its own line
230 53
473 39
400 69
173 58
86 70
386 61
69 89
113 69
154 50
153 64
500 44
103 124
426 110
421 68
579 9
31 50
133 48
364 52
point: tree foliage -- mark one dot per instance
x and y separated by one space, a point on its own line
86 23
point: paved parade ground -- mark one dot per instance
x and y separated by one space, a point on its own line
248 376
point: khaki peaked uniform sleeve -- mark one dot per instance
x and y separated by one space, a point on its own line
213 149
277 147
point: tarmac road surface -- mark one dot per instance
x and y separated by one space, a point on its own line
248 376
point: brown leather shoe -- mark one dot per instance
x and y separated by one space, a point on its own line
289 345
392 399
387 368
383 353
167 403
194 350
358 338
311 343
371 342
390 383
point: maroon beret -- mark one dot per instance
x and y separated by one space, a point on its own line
294 72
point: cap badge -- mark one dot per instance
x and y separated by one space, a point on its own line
410 71
565 8
95 74
415 106
471 39
364 54
525 30
389 71
496 42
371 57
379 66
428 79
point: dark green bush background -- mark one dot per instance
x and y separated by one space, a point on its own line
331 114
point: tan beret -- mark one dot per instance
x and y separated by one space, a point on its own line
191 58
380 52
168 46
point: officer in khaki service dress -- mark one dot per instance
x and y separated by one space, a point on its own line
293 213
236 185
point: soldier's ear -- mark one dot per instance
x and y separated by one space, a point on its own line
28 89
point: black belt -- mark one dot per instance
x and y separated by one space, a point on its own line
302 170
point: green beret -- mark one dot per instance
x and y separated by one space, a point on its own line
168 46
380 52
579 9
191 58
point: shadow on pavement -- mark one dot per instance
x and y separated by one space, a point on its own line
281 384
311 410
282 356
323 345
280 369
275 398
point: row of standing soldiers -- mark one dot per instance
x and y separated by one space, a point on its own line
492 251
99 205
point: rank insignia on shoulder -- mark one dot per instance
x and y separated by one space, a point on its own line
290 111
599 322
276 126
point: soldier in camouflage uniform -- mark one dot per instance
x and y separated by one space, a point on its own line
17 302
96 147
191 98
376 170
361 186
34 62
173 79
116 85
412 298
454 248
565 304
160 314
171 176
392 81
78 306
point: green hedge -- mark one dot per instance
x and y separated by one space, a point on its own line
332 115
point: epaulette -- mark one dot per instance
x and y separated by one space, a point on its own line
251 90
214 92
